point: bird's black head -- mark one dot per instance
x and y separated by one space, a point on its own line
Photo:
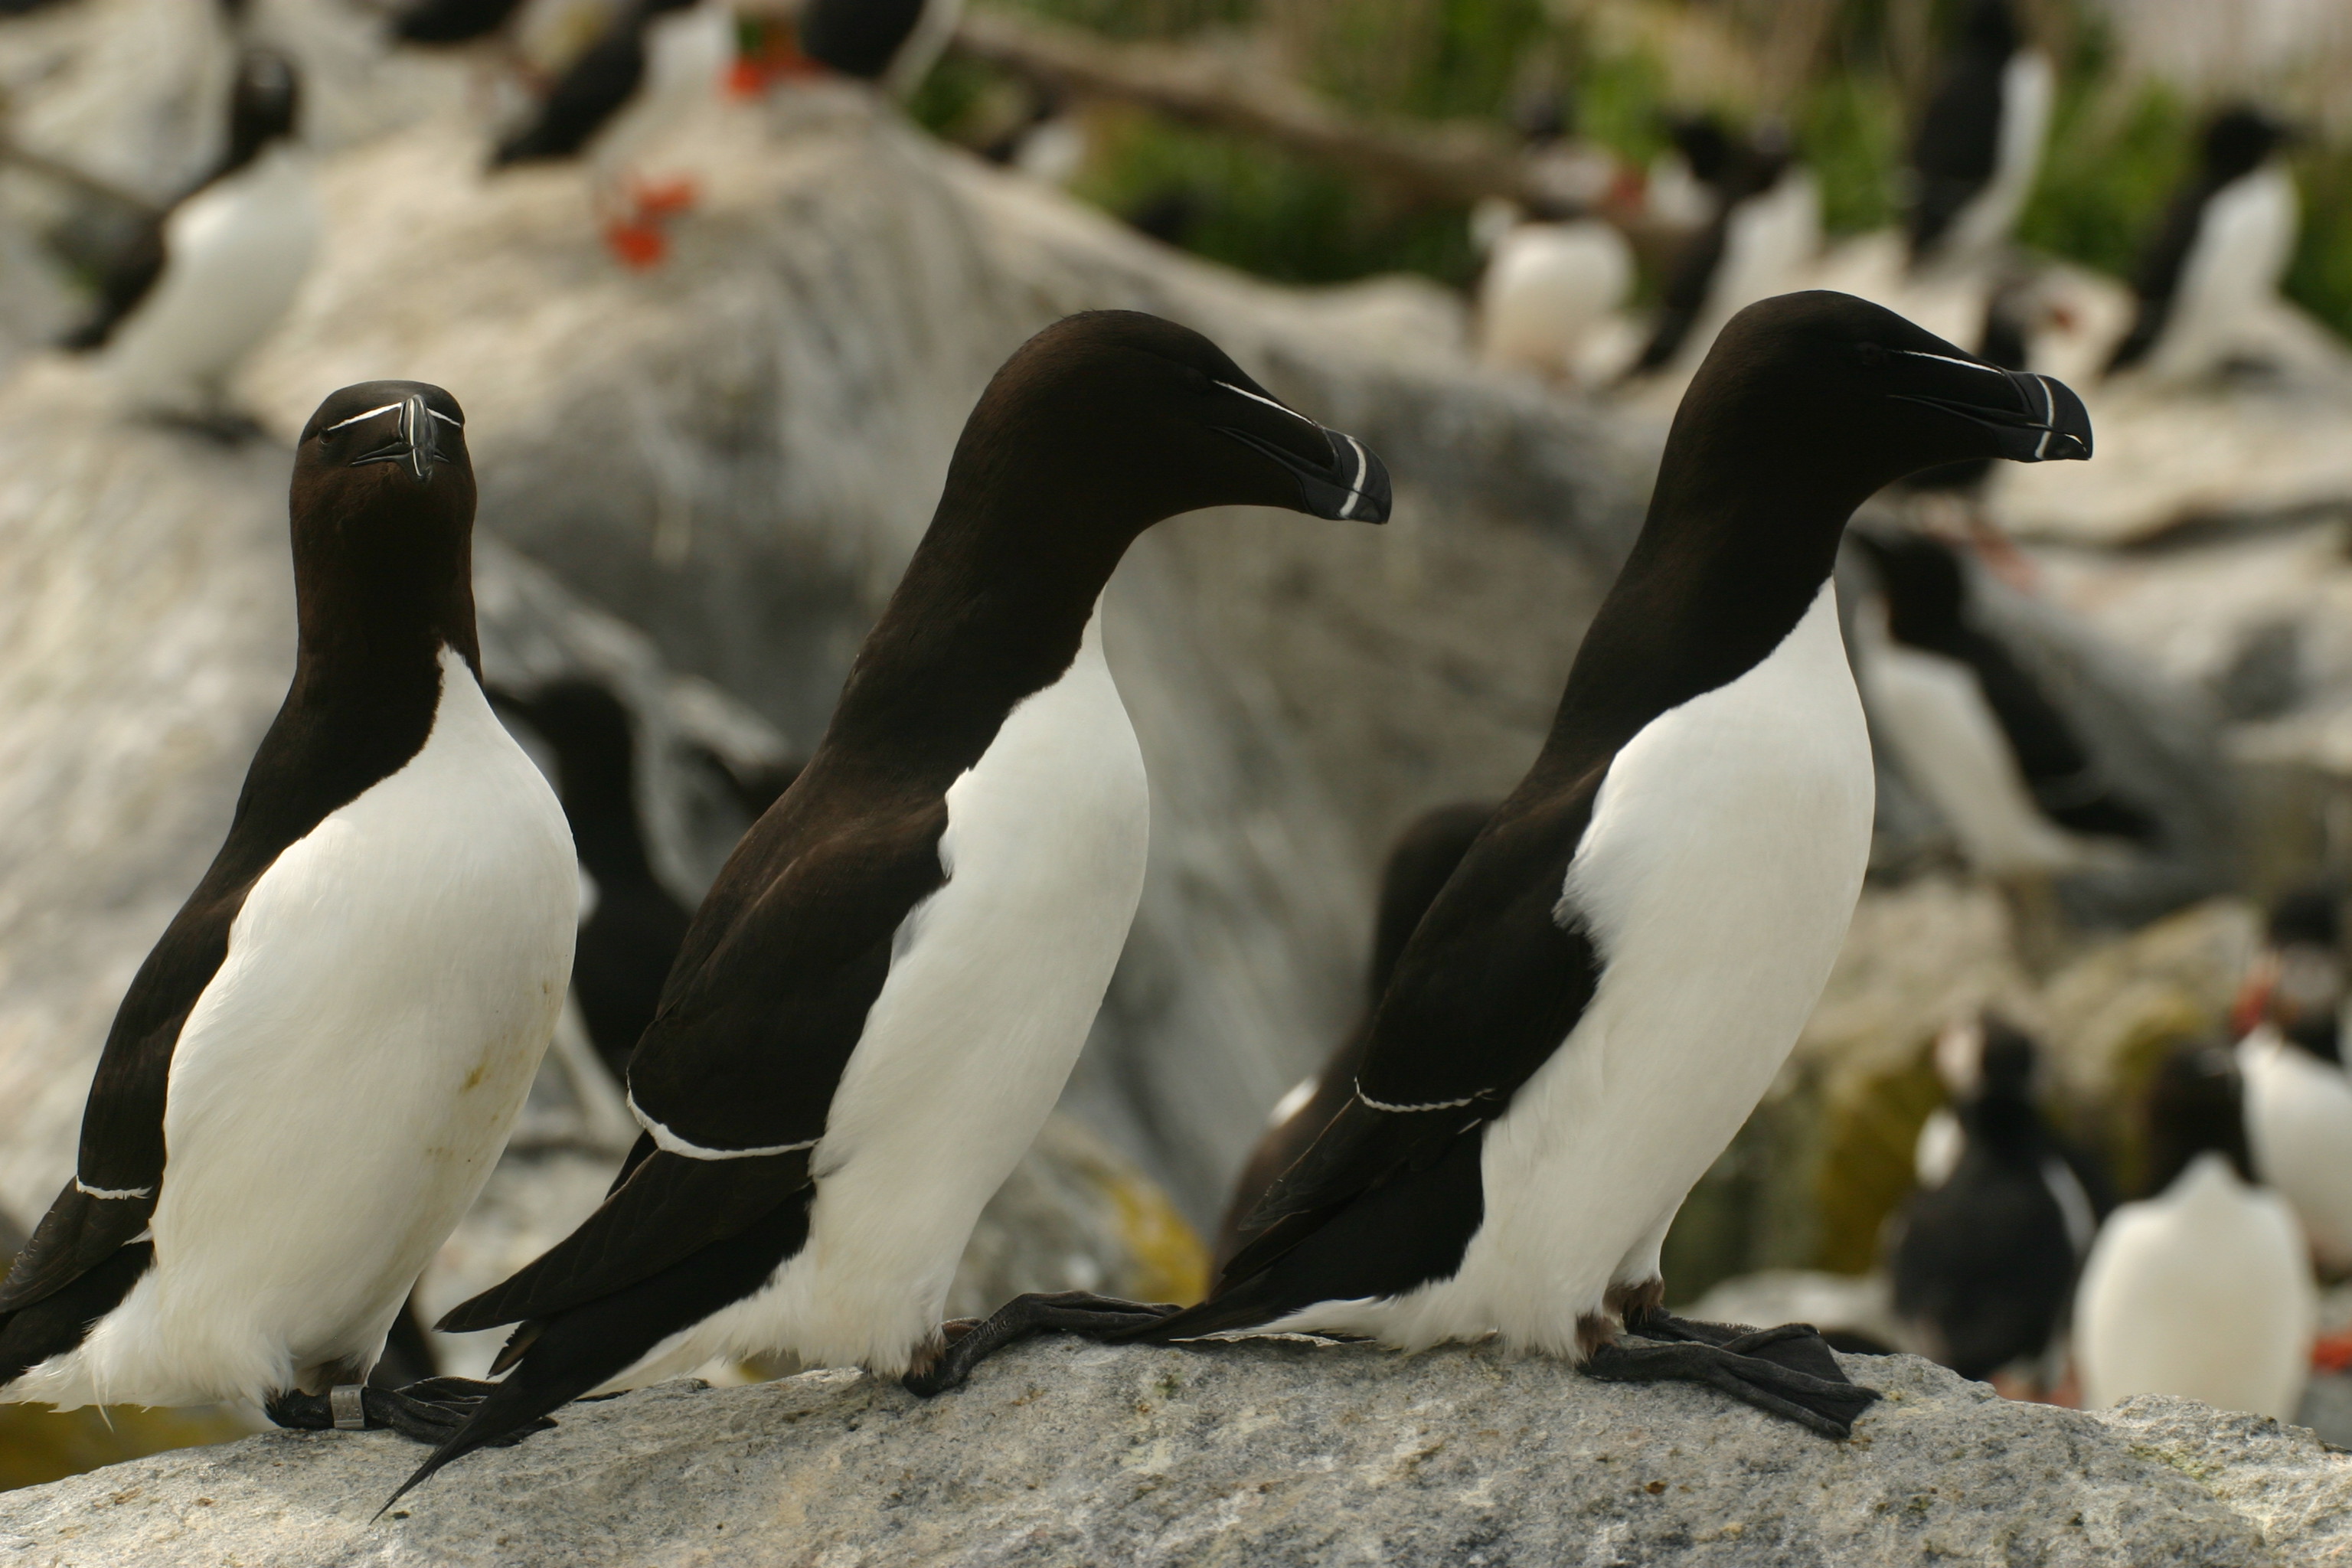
1991 30
2195 1105
1705 146
263 105
1104 423
1823 395
382 508
2239 140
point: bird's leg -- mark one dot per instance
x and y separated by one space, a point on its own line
429 1410
1069 1311
1789 1371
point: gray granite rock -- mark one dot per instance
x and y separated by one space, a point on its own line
1265 1455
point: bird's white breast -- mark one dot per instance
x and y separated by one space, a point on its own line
2299 1126
993 982
234 255
1716 879
686 52
2244 241
1546 288
343 1087
2202 1292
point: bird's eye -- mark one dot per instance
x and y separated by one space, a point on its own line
1197 380
1871 355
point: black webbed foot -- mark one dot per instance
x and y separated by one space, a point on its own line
428 1411
1789 1371
1067 1311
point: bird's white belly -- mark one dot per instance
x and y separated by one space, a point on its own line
1719 874
236 254
2242 247
993 982
2202 1292
343 1087
2299 1128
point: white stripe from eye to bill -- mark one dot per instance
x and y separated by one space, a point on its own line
1269 402
357 417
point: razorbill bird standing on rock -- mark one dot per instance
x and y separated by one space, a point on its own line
316 1066
2218 254
1985 1258
1609 982
219 267
654 66
636 925
1979 145
883 992
2202 1291
1424 857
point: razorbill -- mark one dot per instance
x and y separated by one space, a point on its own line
1972 730
1611 979
1765 226
881 995
2204 1290
218 268
634 925
1424 857
1984 1259
1979 145
2219 256
316 1066
654 64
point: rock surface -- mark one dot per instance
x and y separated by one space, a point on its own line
1263 1455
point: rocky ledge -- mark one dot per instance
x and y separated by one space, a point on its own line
1264 1455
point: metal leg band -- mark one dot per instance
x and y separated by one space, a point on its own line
350 1410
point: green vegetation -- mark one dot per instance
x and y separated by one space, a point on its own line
2113 159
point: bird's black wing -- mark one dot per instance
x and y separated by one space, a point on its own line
584 97
2157 278
453 21
125 278
739 1068
1956 148
1493 979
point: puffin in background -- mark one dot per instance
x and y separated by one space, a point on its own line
1986 1251
1979 145
883 992
1424 857
2203 1290
317 1065
1609 982
1766 226
1970 728
655 64
631 925
2219 256
218 268
2298 1098
1550 283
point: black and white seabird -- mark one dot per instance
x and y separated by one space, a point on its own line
1610 981
205 282
654 64
1424 857
2298 1097
315 1069
884 990
1765 226
1985 1258
2218 254
453 21
2203 1290
634 925
1971 728
1979 145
